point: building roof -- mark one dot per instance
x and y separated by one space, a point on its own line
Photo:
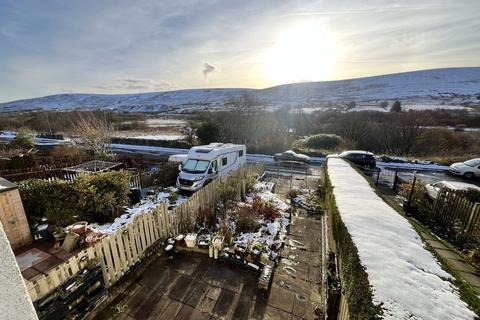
94 166
6 185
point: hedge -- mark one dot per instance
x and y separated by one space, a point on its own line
354 278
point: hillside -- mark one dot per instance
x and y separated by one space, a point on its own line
427 89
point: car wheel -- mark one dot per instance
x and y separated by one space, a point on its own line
468 175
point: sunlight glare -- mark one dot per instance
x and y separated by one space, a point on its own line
304 52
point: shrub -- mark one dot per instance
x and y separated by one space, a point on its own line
208 132
323 141
264 209
101 194
293 193
91 197
246 222
23 140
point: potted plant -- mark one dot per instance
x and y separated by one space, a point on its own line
191 240
218 242
59 234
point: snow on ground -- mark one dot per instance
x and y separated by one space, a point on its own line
271 233
163 137
404 275
145 205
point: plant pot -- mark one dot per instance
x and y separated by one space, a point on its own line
94 237
191 240
78 227
218 242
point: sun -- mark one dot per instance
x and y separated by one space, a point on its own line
303 52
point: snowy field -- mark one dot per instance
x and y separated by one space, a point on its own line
404 275
427 89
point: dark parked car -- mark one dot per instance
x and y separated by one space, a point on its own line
289 155
360 158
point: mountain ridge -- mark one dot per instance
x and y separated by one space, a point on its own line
450 87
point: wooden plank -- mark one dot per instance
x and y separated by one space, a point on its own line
101 257
42 285
132 243
124 263
148 235
141 230
108 259
136 234
127 247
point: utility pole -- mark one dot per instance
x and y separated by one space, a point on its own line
410 196
48 122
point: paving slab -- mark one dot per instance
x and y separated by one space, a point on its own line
281 298
272 313
436 244
171 311
473 279
462 266
225 300
448 254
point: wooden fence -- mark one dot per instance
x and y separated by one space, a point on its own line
118 252
456 215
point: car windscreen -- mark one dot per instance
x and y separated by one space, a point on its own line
472 163
195 166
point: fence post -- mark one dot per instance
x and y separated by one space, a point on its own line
378 177
474 212
395 180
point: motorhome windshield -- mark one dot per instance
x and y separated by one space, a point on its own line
195 166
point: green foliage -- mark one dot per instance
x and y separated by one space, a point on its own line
23 140
208 132
323 141
354 277
101 194
91 197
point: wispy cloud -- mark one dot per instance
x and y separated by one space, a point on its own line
207 69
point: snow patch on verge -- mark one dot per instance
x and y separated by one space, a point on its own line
405 276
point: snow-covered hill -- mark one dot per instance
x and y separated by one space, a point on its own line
428 89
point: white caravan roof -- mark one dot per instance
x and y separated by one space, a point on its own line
213 150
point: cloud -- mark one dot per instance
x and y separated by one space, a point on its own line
207 69
137 84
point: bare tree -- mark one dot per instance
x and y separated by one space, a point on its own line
400 135
94 132
246 124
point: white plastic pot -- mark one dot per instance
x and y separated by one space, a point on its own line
191 240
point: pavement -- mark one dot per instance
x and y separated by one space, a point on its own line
296 291
190 286
193 286
464 269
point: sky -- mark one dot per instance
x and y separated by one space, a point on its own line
90 46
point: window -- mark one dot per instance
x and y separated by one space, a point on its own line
224 161
240 153
195 165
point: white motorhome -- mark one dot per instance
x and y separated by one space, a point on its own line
205 163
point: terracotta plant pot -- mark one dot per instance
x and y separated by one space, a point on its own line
78 227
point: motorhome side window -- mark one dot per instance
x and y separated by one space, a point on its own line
224 161
240 153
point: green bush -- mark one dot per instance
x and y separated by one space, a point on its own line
91 197
23 140
322 141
